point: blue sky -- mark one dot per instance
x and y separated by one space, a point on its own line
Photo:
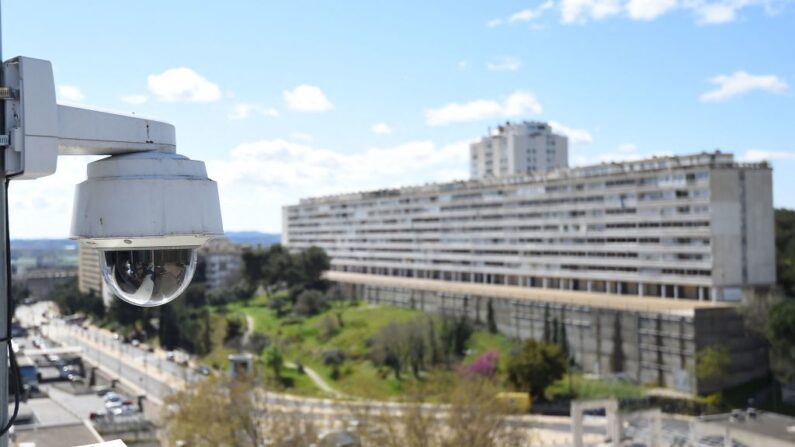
308 98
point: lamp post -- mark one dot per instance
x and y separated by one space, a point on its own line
145 208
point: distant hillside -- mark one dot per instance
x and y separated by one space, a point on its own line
43 244
239 237
253 237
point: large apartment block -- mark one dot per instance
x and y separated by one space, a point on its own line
690 227
641 261
518 148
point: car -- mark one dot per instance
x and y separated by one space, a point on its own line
203 370
116 336
113 397
70 372
170 356
135 342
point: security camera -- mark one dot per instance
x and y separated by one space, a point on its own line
147 213
145 208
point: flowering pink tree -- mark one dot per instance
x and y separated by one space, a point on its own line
484 366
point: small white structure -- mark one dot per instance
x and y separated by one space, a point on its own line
613 420
240 364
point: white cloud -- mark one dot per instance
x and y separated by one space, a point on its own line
242 111
579 11
516 104
761 155
134 99
724 11
381 128
300 136
650 9
307 98
43 208
280 172
504 63
463 64
527 15
576 136
182 84
741 82
69 93
493 23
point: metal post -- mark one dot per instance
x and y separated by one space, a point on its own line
4 268
3 310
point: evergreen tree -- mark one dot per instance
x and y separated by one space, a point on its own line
555 331
490 319
547 336
617 356
563 339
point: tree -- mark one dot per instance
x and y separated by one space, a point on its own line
781 335
491 321
547 337
274 360
473 418
313 263
536 366
219 411
712 364
617 355
310 302
484 366
785 250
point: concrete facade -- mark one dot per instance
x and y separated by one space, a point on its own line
696 227
518 148
650 340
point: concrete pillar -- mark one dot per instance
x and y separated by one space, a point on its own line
561 283
545 283
590 285
640 289
663 290
676 292
700 293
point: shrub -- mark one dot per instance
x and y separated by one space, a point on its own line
257 342
328 327
234 327
310 302
333 357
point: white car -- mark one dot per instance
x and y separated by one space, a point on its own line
113 399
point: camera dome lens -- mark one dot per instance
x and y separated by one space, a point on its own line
148 277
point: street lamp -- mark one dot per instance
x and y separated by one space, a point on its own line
145 208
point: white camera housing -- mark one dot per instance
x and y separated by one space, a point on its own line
149 210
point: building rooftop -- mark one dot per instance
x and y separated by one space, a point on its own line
715 159
591 299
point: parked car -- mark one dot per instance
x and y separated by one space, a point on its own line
113 399
203 370
70 372
135 342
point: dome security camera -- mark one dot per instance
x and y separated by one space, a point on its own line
147 213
